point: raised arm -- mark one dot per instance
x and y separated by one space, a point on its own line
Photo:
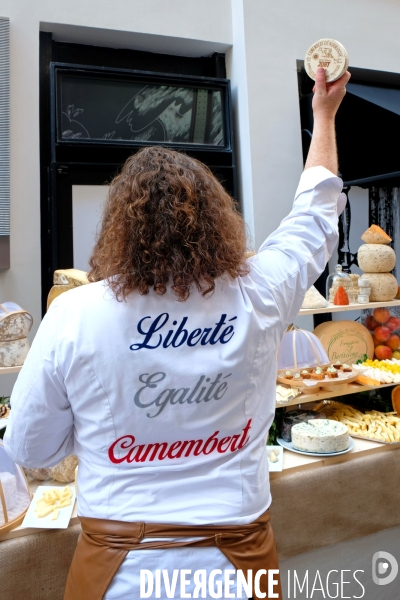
326 101
292 257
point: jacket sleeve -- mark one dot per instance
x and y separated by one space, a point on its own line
293 256
40 428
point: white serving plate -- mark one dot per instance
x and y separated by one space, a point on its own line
277 466
31 520
289 446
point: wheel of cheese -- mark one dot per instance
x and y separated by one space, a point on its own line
56 291
73 277
14 352
345 341
375 235
323 436
383 286
15 327
376 258
15 322
321 327
329 54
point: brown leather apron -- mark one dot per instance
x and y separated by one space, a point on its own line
104 544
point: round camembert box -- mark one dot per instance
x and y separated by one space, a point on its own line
328 54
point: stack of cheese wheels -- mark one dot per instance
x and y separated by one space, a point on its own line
376 258
15 324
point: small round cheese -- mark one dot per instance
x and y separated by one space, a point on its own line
328 54
323 436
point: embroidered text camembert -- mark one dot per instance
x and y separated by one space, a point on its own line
125 450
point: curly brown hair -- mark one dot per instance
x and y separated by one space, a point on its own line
167 220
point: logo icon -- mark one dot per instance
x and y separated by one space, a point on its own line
381 575
327 52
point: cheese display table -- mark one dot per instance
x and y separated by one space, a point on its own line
316 503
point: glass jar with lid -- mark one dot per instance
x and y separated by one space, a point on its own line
339 287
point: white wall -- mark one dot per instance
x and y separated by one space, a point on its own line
236 66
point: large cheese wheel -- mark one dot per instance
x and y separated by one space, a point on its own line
376 258
345 341
15 326
56 291
383 286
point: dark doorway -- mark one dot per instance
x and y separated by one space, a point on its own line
69 160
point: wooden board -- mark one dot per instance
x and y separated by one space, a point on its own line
8 370
326 383
332 308
352 388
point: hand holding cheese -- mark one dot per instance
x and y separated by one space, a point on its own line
328 96
326 101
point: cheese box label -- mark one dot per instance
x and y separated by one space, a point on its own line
345 341
329 54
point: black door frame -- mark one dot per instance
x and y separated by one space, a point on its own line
60 170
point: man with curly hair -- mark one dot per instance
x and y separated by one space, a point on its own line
160 374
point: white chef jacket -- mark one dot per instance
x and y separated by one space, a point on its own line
168 404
